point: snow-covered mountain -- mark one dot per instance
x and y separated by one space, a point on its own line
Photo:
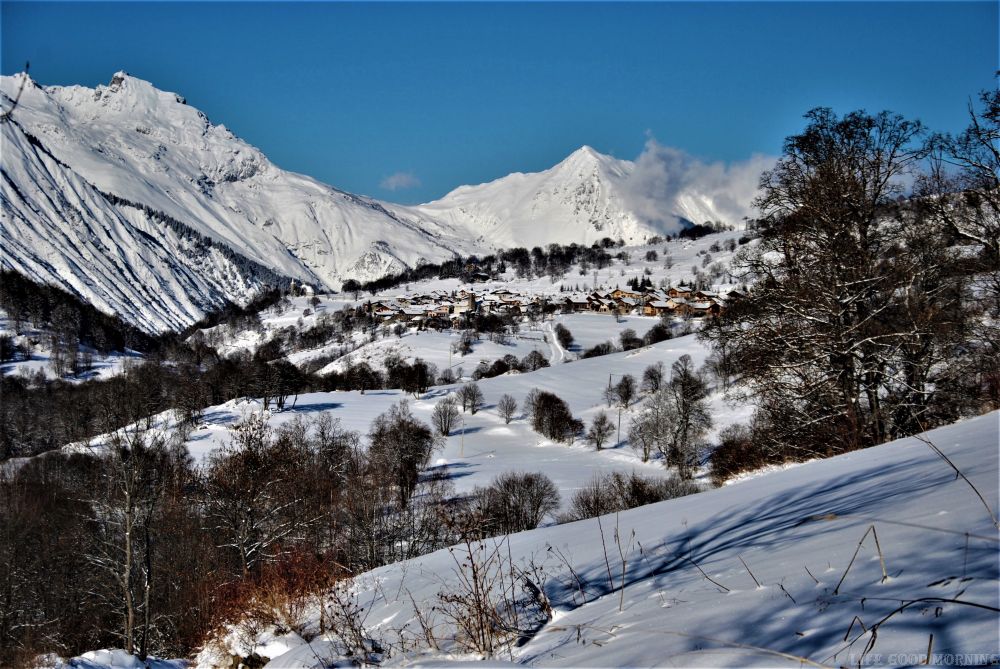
586 197
148 148
132 199
61 230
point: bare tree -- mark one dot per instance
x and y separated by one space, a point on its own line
445 415
629 339
643 435
132 483
652 378
600 430
550 416
619 492
515 502
968 199
252 500
625 390
856 298
402 445
682 408
471 396
507 408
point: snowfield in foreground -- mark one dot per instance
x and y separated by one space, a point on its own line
758 573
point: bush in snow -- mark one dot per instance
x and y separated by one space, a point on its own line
619 492
514 502
599 349
737 452
563 335
629 339
532 361
551 417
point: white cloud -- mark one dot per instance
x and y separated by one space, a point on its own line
668 183
400 181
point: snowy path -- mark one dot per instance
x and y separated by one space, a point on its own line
558 352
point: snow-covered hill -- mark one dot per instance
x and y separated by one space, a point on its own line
586 197
758 573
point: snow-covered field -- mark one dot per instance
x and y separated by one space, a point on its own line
436 348
758 573
485 446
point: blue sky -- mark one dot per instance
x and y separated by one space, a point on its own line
445 94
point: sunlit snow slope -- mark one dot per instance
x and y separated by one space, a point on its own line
586 197
758 573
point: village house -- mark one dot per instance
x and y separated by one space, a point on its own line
619 293
628 304
709 309
680 291
657 307
576 304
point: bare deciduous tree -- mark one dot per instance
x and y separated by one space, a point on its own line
471 396
855 296
600 430
445 415
515 502
625 390
131 485
652 378
507 408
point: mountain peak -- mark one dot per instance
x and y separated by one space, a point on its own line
586 158
587 153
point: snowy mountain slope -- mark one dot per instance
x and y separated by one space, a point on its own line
148 146
148 151
59 229
758 573
586 197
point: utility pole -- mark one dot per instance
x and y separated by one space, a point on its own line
619 425
619 410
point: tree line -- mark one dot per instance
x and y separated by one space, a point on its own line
872 316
